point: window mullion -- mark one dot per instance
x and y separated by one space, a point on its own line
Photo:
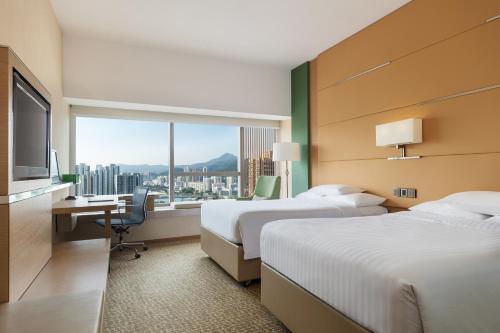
171 165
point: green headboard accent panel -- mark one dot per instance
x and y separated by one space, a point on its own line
300 127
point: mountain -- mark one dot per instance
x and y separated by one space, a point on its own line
225 162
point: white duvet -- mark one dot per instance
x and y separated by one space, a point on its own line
402 272
241 222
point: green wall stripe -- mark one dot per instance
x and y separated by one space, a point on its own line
300 127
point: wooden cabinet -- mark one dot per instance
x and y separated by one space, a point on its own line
25 208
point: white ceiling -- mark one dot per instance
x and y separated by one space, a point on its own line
277 32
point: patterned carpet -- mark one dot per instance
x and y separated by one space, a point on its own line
175 287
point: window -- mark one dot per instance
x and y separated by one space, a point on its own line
206 162
113 156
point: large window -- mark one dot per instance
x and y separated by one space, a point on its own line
178 162
113 156
206 162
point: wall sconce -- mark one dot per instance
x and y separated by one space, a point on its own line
399 134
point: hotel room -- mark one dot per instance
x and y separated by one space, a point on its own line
250 166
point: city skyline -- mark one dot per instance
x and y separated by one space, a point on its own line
109 180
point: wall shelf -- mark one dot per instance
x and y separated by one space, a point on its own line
15 197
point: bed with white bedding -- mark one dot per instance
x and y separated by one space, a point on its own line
241 222
230 229
402 272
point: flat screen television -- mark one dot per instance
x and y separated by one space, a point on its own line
31 131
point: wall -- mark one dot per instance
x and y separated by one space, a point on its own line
98 70
159 225
31 29
446 71
300 127
170 117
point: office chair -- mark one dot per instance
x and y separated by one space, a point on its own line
135 218
266 188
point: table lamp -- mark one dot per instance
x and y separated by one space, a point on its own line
286 151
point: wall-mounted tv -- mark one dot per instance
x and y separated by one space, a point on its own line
31 131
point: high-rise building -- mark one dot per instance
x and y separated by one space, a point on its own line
101 181
207 184
263 166
127 182
113 171
256 158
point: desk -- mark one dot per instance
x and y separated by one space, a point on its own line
82 205
150 202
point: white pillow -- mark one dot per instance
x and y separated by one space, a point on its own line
358 199
495 219
309 195
335 189
447 209
484 202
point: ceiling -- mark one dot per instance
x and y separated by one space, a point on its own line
275 32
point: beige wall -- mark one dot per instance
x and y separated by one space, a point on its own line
31 29
445 72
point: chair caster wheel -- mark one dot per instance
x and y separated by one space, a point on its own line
145 248
137 256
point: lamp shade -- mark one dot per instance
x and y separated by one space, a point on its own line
286 151
399 132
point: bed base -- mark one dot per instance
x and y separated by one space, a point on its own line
300 310
230 257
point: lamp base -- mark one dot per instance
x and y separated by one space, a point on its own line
403 154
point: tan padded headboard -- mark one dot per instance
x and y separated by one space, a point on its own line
435 60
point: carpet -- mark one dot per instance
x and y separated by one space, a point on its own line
175 287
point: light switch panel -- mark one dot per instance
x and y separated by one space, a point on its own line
405 192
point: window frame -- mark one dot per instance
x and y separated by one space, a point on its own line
171 142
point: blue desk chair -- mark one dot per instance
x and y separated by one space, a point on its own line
135 218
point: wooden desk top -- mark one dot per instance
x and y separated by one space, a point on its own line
81 205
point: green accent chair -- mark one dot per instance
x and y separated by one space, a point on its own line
267 188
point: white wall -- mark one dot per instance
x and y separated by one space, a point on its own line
170 117
158 225
99 70
31 29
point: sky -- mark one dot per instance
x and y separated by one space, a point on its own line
105 141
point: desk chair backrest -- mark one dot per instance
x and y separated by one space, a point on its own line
138 213
268 187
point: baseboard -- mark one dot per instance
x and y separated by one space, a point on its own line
172 239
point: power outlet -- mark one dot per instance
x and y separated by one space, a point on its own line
405 192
